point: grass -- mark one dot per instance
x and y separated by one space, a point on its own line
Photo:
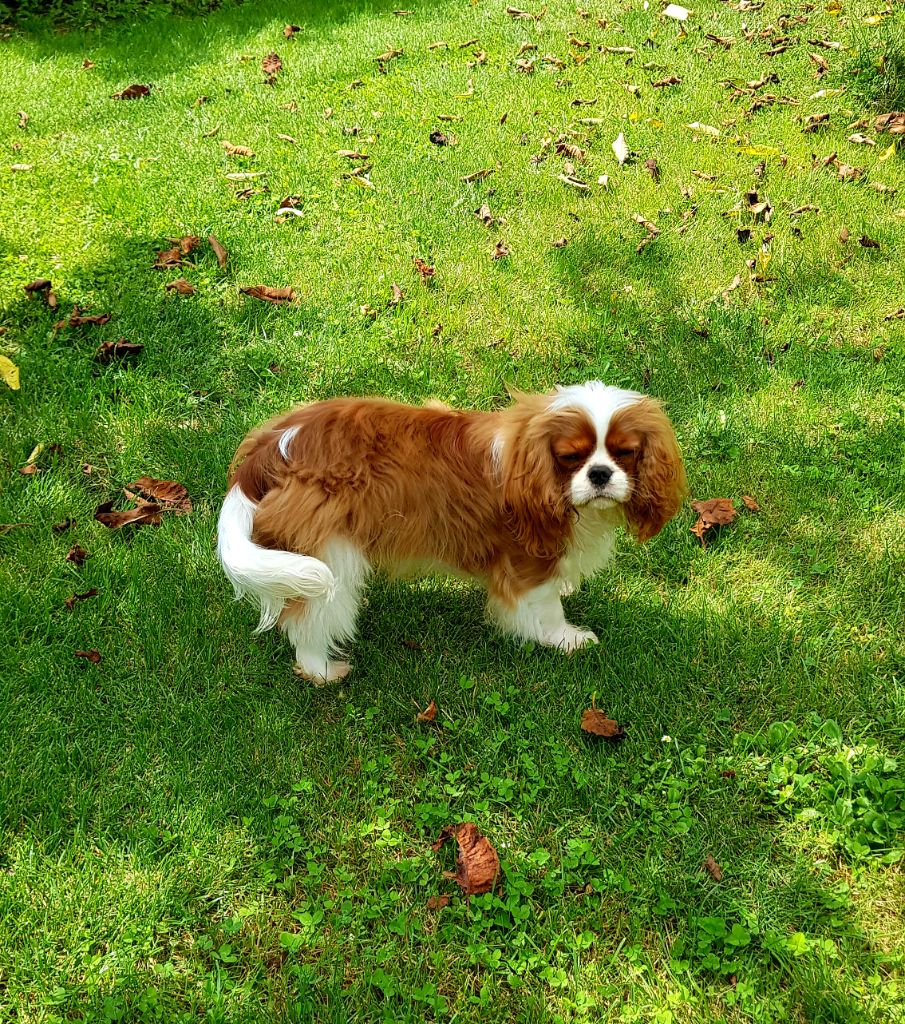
188 831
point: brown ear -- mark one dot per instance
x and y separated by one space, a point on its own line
659 483
533 497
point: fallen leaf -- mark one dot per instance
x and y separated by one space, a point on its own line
287 138
885 190
23 119
620 49
712 868
868 243
268 294
93 656
514 12
70 602
477 863
499 251
478 175
664 82
560 243
219 251
438 138
620 148
132 92
391 54
807 208
144 512
704 129
649 226
843 236
87 64
271 65
426 271
397 294
351 154
813 121
573 182
111 350
733 284
428 714
172 496
39 285
232 150
63 526
77 555
653 169
750 503
78 319
847 172
597 724
21 167
743 235
893 122
290 30
438 902
9 373
180 285
676 12
712 512
821 63
727 42
485 216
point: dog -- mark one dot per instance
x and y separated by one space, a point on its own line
526 500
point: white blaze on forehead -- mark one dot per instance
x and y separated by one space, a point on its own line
600 401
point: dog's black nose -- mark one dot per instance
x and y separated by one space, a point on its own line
599 475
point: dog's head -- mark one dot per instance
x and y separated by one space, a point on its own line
588 446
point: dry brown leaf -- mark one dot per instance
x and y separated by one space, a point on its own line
426 271
896 314
391 54
712 512
438 138
167 493
232 150
352 154
428 714
71 601
813 121
727 42
560 243
822 65
144 513
271 65
573 182
108 351
663 82
132 92
87 64
750 503
868 243
596 723
478 175
77 319
893 122
268 294
438 902
77 555
93 656
712 868
477 863
40 284
180 285
485 216
733 284
63 526
653 169
499 251
219 251
514 12
847 172
290 30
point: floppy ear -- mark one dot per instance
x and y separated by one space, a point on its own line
659 483
533 497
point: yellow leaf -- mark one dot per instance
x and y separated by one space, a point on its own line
655 122
834 7
887 153
874 19
9 372
634 116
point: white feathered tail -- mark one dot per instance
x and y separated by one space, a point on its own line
269 577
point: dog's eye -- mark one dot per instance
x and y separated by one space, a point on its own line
573 458
624 453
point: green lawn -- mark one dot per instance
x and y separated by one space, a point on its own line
190 832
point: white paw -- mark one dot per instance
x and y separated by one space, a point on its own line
567 589
570 638
329 672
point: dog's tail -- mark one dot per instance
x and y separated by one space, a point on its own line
267 576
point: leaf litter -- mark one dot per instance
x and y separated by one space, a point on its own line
477 863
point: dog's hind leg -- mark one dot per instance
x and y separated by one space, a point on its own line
320 628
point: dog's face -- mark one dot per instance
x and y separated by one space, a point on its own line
592 446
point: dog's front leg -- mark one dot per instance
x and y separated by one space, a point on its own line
538 615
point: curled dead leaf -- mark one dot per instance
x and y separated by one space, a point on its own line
428 714
132 92
596 723
109 351
77 555
232 150
438 902
180 285
219 251
72 600
750 503
271 65
500 250
712 868
665 82
290 30
93 656
268 294
477 863
478 175
78 319
426 271
167 493
712 512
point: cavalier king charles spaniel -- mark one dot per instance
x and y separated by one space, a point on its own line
527 500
